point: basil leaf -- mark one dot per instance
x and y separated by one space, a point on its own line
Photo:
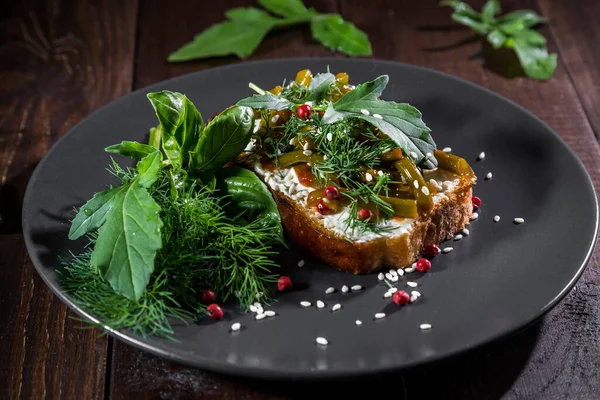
527 18
248 196
496 38
155 137
479 27
400 121
181 124
462 8
285 8
225 38
266 101
490 10
128 240
536 61
93 213
223 139
130 149
339 35
250 15
319 86
148 169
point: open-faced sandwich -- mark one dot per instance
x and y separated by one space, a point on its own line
358 180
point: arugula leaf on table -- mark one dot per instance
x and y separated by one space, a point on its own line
223 139
401 122
513 31
245 28
247 195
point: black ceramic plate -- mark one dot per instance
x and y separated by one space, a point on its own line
497 280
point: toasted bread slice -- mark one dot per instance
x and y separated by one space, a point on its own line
326 238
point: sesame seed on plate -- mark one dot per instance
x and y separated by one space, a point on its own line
306 146
465 232
447 250
270 313
236 327
253 308
307 153
356 288
260 316
365 112
393 290
412 284
336 307
330 290
381 276
488 176
345 289
447 150
518 220
416 183
418 294
474 216
458 237
380 315
358 322
400 272
425 190
393 272
413 155
481 156
387 295
368 177
413 298
377 116
292 141
425 326
410 269
394 278
259 310
320 304
496 218
322 341
388 276
329 137
301 263
305 303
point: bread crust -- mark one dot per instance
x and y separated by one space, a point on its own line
449 216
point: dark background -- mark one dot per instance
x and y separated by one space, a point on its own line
60 60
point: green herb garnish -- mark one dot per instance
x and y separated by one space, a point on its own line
245 28
511 31
178 222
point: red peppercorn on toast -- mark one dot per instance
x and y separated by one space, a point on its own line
358 181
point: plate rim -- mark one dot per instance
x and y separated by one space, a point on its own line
210 364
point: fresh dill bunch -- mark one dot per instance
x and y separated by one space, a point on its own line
202 248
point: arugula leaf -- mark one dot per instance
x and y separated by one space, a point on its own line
319 86
339 35
536 61
93 213
490 10
148 169
250 15
247 195
285 8
225 38
128 241
130 149
400 121
512 30
181 124
223 139
266 101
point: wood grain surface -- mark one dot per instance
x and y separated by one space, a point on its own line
60 60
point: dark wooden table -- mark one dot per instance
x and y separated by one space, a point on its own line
62 59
